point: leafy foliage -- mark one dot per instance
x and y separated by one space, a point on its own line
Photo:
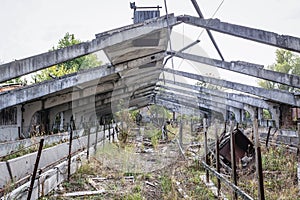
286 62
67 67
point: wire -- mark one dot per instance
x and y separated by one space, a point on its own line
216 11
169 37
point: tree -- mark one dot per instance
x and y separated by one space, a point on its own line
67 67
286 62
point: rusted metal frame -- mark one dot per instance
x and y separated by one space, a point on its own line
70 152
36 165
239 191
266 37
258 162
195 4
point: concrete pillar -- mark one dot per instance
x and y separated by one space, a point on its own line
275 112
61 125
251 110
237 114
259 115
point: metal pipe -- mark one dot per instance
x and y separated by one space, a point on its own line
268 136
206 147
88 142
36 165
217 158
207 30
239 191
70 152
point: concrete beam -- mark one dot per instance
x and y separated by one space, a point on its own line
204 96
245 68
32 92
256 102
282 41
187 100
25 66
275 95
178 108
209 104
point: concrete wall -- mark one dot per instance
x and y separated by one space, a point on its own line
49 156
11 146
9 133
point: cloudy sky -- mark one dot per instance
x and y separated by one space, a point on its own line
29 27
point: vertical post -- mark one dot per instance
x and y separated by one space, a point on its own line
259 172
70 152
96 139
174 116
217 158
88 142
113 134
225 126
104 137
191 125
19 132
298 155
233 161
180 133
109 132
206 147
268 136
36 165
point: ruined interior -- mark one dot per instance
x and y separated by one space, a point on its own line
135 78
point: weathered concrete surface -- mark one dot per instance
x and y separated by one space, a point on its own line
52 86
11 146
275 95
236 97
25 66
175 107
205 97
8 133
245 68
257 35
49 156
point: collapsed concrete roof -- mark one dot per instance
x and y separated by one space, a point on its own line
136 53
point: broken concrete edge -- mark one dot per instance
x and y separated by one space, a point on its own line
31 64
258 35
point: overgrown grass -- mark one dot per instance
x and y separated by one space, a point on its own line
280 175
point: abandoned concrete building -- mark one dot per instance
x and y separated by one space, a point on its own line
134 79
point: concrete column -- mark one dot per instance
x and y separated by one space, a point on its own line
237 114
61 125
275 112
251 110
259 115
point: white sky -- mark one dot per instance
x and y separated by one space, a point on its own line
29 27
